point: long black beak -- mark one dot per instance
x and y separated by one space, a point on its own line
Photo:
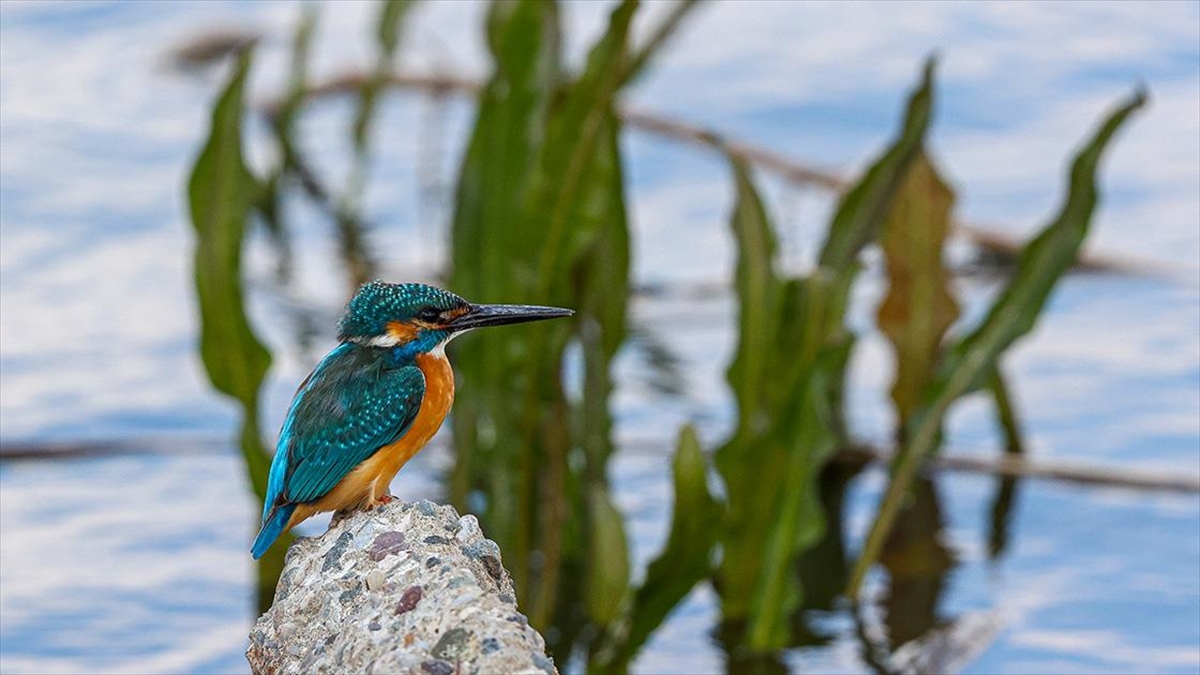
479 316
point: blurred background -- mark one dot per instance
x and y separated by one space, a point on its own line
765 214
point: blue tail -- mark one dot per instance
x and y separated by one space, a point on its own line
273 526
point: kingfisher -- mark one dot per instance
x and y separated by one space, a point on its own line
373 402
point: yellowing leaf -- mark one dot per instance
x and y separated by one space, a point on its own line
919 306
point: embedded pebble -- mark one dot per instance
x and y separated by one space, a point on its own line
437 668
452 645
363 537
375 580
408 601
333 558
382 591
386 544
469 530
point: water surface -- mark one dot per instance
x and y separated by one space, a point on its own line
138 563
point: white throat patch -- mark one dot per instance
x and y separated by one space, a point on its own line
440 350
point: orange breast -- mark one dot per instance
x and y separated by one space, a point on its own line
369 481
439 395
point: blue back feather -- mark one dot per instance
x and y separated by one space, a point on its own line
356 401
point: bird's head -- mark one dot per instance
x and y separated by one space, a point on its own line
422 318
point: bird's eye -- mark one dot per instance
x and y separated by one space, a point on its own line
430 315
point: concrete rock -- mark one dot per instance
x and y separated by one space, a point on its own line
406 587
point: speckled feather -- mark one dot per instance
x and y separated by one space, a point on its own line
377 303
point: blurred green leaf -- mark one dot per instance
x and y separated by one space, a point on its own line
391 21
639 59
686 558
759 305
860 215
298 74
283 126
864 208
787 376
352 231
495 257
607 583
919 306
750 495
573 133
799 521
972 360
1006 416
221 192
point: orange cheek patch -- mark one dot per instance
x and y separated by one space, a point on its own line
403 332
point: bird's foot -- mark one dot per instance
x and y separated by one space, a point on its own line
381 500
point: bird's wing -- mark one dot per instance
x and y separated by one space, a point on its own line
351 407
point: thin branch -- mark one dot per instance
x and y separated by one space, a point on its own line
998 465
987 238
1024 467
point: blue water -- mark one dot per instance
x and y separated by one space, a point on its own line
137 563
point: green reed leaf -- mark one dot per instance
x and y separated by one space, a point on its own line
607 582
969 363
864 208
786 376
685 559
573 135
221 193
751 495
495 259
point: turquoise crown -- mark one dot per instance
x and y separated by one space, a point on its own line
378 303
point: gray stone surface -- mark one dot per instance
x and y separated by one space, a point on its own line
405 588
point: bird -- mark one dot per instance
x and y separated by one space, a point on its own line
373 402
